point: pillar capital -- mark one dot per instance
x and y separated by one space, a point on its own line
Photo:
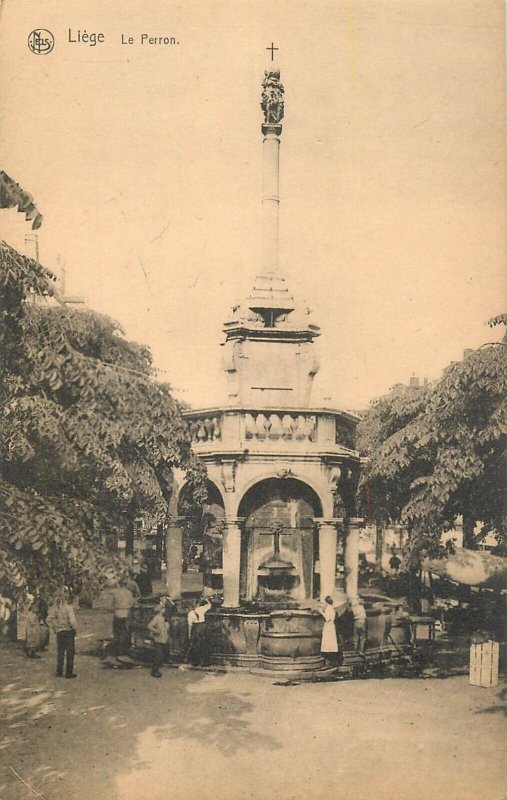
356 522
233 522
273 128
328 522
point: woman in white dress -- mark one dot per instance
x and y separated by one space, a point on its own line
329 644
198 647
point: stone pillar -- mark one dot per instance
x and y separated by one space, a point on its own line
327 555
352 556
231 561
270 195
174 553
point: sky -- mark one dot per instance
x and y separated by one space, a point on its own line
146 162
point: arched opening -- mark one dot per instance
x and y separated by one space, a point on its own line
279 548
201 558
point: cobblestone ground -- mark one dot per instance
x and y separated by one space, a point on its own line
195 735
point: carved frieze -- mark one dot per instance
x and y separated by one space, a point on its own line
229 476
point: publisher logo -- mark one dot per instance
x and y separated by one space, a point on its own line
41 41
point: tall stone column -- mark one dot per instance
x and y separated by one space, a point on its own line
231 561
270 195
327 555
174 553
352 556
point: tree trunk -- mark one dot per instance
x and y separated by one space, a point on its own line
129 536
159 544
468 532
414 599
379 543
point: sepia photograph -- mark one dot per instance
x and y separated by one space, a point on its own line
253 438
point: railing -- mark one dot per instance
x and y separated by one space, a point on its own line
205 429
226 427
261 426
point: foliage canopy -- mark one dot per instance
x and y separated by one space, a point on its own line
88 437
439 451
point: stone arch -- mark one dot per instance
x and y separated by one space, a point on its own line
287 485
201 540
214 493
278 516
322 502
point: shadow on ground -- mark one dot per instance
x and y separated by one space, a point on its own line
450 658
497 709
70 739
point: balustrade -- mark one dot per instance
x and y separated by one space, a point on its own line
205 429
266 426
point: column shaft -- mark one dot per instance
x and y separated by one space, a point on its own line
352 557
231 562
327 558
270 201
173 559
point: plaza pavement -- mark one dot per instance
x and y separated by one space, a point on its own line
122 735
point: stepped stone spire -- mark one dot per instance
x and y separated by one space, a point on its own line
270 292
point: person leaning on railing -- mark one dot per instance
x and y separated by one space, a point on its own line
197 653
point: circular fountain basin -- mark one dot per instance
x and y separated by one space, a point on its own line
291 633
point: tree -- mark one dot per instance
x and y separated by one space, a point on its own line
439 451
89 438
12 195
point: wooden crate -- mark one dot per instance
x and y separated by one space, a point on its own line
484 664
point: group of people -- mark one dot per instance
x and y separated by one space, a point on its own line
125 596
160 630
62 620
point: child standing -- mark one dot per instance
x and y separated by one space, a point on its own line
159 629
359 613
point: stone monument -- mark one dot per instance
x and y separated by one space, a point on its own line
282 473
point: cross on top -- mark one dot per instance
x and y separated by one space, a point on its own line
272 48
